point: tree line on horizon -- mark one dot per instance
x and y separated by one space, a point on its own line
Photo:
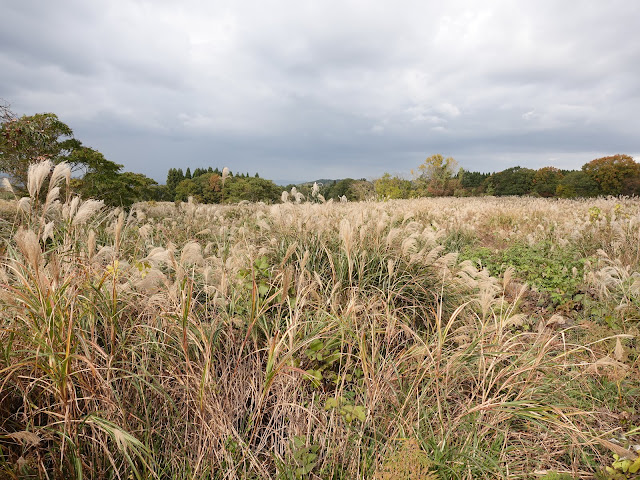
27 139
611 175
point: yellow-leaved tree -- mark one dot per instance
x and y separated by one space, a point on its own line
435 177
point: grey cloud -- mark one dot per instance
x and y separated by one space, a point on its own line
349 87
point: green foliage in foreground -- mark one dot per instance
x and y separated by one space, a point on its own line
555 271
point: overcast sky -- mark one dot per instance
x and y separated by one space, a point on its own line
299 89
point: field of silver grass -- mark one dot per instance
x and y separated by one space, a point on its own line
302 341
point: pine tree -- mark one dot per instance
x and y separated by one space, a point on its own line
174 177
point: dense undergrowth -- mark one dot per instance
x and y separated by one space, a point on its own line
331 341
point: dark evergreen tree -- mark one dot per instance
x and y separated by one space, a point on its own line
174 177
472 180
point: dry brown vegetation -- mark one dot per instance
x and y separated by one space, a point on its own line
400 339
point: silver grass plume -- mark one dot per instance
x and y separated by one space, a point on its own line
36 175
346 233
24 205
70 209
86 211
52 195
29 246
47 232
118 230
6 185
91 243
285 196
159 255
61 170
145 230
507 276
151 281
225 174
105 255
191 254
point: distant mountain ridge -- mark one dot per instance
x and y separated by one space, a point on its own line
323 181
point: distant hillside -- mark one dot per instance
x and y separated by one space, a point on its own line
322 181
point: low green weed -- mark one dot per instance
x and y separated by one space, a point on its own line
551 269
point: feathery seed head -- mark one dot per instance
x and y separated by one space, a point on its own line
191 254
24 205
391 265
91 243
60 171
86 211
48 231
36 175
346 233
71 208
105 255
145 230
118 229
160 255
29 246
507 277
6 185
52 195
151 281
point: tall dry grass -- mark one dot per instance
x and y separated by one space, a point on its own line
302 341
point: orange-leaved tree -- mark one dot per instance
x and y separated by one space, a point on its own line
615 175
546 180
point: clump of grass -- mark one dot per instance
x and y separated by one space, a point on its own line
302 340
409 462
